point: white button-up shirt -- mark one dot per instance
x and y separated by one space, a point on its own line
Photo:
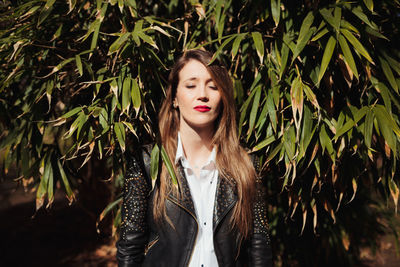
202 189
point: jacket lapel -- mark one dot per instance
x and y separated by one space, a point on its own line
186 200
225 199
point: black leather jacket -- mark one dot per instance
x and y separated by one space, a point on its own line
144 243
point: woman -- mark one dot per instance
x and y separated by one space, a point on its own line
216 216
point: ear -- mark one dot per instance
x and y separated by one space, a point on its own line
175 103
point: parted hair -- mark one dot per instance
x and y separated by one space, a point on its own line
225 139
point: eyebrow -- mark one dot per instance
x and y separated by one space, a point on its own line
195 78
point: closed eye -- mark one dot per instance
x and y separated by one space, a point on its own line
190 86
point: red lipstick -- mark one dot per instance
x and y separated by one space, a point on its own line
202 108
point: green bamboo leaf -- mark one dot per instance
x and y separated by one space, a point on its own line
31 11
97 25
348 56
289 141
384 117
254 110
70 193
50 187
111 206
276 10
103 118
263 114
114 88
327 15
274 152
337 16
119 131
147 39
79 64
284 59
320 34
358 11
236 43
310 95
356 44
306 31
169 166
326 142
136 95
307 132
161 30
49 91
45 12
393 63
74 126
115 46
126 94
217 13
57 33
154 163
243 110
60 66
221 47
384 121
297 100
389 74
272 111
368 126
326 58
44 179
346 25
117 220
268 140
259 44
384 91
95 36
81 123
357 116
221 25
369 4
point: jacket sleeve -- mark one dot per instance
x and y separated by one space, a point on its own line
260 244
133 233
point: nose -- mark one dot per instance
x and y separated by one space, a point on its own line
202 93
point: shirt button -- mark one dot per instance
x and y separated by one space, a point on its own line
205 223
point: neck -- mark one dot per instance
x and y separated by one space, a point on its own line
197 143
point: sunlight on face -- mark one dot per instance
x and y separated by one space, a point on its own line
197 96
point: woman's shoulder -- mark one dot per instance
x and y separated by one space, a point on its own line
139 158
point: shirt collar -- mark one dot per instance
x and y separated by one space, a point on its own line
180 154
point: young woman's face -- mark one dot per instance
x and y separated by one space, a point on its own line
197 96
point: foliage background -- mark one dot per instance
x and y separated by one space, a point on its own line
316 85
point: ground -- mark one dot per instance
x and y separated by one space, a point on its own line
66 235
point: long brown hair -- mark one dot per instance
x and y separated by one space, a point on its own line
225 138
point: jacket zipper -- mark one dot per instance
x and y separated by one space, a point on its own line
197 229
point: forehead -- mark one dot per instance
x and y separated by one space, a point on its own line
194 70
